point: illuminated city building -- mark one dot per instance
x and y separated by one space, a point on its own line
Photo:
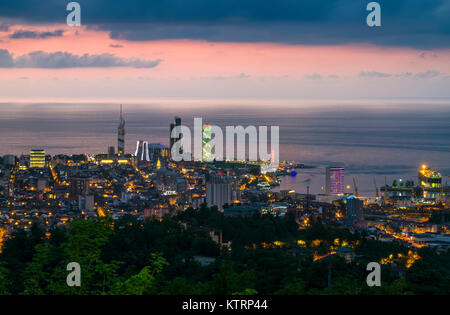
158 164
275 209
429 178
79 186
152 152
157 151
218 191
142 153
353 208
157 212
165 181
334 180
176 123
37 158
206 143
429 190
430 181
121 134
106 161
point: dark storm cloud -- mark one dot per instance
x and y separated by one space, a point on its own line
415 23
57 60
32 34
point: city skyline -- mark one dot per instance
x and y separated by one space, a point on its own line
226 151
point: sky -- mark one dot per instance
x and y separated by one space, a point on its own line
284 49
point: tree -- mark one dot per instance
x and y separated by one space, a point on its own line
142 282
397 287
425 278
4 282
246 292
179 286
84 244
228 281
17 252
38 273
295 287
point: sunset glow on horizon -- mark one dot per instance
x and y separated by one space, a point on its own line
189 64
224 49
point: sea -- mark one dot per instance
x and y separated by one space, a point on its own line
376 141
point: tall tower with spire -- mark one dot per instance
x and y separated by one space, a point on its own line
121 134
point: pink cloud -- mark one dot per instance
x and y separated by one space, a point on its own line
200 61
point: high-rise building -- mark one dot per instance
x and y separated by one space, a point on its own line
9 160
157 151
111 152
353 210
334 180
121 134
218 191
206 143
139 149
79 186
176 123
37 158
86 202
142 153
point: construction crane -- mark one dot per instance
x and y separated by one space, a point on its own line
356 187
